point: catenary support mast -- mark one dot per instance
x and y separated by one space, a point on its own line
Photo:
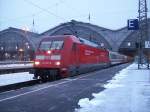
143 33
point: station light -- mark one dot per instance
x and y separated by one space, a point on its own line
28 47
129 44
25 28
16 47
2 48
21 50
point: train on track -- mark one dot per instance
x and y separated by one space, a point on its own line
66 55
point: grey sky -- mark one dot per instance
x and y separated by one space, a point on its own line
112 14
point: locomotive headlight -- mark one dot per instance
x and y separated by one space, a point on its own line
36 62
49 52
57 63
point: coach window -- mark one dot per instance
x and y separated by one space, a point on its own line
113 56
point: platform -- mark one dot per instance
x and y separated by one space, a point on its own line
128 91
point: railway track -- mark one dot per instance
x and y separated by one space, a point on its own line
14 70
14 67
18 85
33 82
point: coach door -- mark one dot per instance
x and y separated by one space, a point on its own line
75 59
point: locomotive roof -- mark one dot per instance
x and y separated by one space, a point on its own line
74 38
87 42
61 37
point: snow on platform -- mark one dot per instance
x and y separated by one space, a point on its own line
128 91
12 78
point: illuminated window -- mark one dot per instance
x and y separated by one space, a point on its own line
2 48
129 44
102 44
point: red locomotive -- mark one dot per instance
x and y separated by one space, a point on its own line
67 55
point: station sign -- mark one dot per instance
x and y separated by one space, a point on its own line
133 24
147 44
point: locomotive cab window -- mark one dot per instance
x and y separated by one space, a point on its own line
51 45
45 45
57 45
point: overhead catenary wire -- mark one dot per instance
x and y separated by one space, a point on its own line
27 16
71 7
44 9
35 14
51 13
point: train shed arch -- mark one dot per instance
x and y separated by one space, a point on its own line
80 29
15 44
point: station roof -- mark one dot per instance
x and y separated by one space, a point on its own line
33 38
114 37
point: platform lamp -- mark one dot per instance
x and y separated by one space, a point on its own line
25 29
